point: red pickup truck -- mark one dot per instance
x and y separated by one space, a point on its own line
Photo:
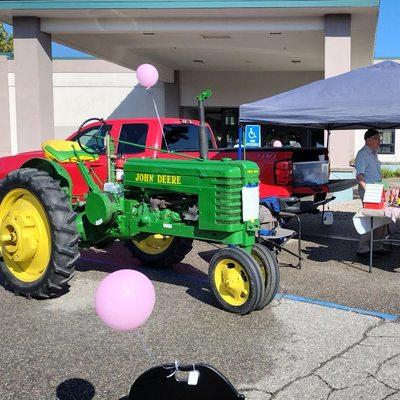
285 172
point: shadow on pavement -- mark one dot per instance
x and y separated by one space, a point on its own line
343 252
338 242
342 225
207 255
75 389
182 274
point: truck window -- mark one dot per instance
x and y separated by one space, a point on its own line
93 137
132 133
183 137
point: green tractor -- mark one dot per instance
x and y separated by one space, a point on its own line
159 208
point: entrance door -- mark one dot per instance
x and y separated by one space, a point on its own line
230 118
224 123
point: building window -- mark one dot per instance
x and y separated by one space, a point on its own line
388 142
224 123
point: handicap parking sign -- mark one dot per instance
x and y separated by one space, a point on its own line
252 136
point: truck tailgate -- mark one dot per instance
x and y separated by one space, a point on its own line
337 185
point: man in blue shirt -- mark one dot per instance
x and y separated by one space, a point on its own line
368 170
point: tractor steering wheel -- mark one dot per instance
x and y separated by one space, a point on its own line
100 145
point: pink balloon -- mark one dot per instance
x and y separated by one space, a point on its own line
124 299
147 75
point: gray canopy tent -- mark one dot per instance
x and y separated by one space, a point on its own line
362 98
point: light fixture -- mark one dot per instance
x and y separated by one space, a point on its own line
296 61
148 33
275 33
198 61
211 36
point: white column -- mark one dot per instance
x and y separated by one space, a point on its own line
33 83
5 131
338 61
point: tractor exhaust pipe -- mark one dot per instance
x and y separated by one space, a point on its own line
203 139
203 142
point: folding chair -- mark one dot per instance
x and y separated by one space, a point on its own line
273 230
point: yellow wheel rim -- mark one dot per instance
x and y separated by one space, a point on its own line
154 244
25 236
232 282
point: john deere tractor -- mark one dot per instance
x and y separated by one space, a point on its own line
159 208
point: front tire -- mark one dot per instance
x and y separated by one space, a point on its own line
38 236
268 265
159 251
236 280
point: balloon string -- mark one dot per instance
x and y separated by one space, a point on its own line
145 347
175 369
159 121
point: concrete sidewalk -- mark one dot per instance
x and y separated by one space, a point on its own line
327 353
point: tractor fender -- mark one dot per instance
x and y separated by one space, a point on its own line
55 170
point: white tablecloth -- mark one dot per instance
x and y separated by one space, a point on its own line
387 215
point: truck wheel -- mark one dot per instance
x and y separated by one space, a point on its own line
268 265
38 236
236 280
159 250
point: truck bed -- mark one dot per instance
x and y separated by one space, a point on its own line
268 159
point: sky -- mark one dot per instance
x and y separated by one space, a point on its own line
387 39
388 31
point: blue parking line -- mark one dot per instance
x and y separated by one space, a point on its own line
388 317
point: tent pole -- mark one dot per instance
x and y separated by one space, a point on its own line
326 137
239 152
242 146
327 142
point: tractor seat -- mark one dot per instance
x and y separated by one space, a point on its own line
66 151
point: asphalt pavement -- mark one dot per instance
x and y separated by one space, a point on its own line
331 332
332 271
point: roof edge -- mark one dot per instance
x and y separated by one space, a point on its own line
389 58
174 4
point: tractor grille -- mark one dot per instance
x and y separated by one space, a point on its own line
228 200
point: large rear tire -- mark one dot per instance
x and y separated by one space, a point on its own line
236 280
159 251
38 236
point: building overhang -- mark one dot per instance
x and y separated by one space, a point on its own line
202 36
179 4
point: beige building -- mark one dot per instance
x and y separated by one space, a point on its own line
243 51
82 88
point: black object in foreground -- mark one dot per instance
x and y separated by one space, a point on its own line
183 382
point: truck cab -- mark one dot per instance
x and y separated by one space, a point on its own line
286 172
